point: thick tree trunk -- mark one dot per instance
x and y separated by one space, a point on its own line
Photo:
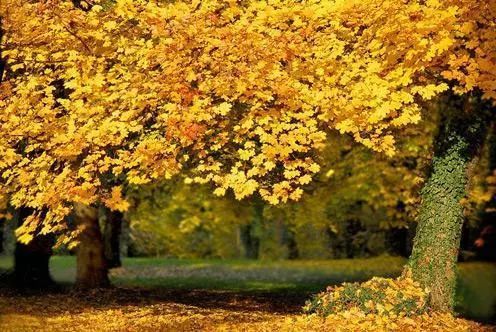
112 232
92 270
437 239
31 261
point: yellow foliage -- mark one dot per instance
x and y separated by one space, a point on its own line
116 201
64 313
385 297
241 94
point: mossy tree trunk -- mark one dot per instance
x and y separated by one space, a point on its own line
92 269
437 239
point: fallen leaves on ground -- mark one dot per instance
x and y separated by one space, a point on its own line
135 310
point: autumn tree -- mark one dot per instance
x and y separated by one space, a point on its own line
237 95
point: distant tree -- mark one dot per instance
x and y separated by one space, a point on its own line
8 230
112 233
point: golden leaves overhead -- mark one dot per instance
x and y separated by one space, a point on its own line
239 95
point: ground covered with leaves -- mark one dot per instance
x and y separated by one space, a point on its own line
138 310
202 295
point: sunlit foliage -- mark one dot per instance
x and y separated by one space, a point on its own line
379 296
356 186
380 304
240 94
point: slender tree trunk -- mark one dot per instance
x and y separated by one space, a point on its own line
125 237
250 242
92 270
112 232
9 239
249 233
31 261
437 239
3 221
289 236
293 252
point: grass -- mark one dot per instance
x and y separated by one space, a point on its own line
476 291
252 276
233 275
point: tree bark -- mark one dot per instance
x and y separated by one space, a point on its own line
112 232
31 261
92 269
437 240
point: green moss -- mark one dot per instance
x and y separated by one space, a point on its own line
440 219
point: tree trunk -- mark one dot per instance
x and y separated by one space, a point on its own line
92 270
9 239
3 221
293 252
31 261
437 239
250 242
125 237
249 233
112 232
287 239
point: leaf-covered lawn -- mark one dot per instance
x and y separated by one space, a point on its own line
169 294
117 310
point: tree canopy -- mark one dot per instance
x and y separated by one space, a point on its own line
240 94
